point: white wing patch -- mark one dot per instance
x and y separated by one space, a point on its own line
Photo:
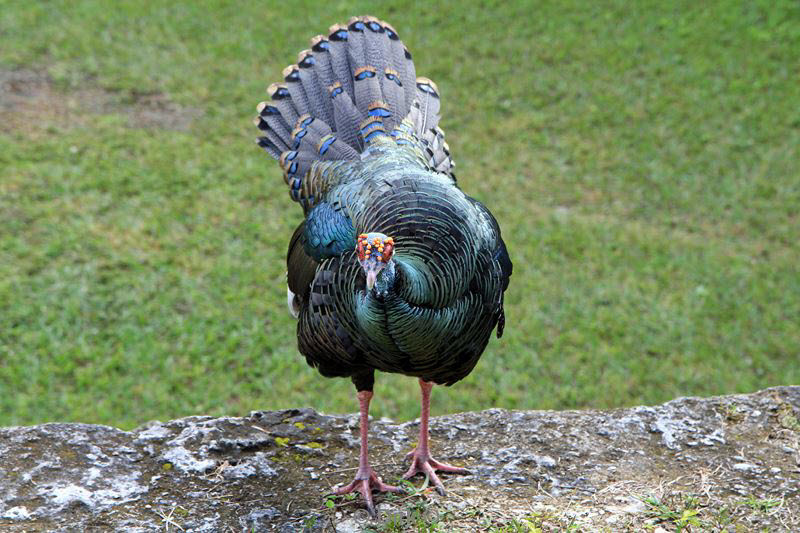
291 301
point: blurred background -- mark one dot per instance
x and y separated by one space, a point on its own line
642 159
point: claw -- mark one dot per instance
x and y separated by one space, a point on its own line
365 484
423 463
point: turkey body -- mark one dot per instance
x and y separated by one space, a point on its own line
434 313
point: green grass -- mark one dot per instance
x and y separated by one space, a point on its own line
641 158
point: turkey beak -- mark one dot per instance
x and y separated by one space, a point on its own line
372 275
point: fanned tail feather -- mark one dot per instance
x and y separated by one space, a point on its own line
425 111
350 88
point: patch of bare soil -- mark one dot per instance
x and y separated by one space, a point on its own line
31 103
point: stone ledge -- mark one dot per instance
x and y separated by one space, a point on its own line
730 461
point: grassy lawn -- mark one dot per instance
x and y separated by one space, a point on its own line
643 160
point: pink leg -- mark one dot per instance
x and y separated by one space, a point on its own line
421 460
366 480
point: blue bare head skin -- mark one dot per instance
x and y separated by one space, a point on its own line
375 251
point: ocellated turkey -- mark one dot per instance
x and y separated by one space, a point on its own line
394 268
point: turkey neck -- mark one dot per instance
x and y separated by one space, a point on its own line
386 280
397 279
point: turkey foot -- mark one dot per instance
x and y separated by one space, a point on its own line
366 479
421 460
423 463
365 482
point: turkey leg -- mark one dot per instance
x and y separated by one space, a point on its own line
421 460
366 479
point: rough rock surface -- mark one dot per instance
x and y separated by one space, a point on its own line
723 463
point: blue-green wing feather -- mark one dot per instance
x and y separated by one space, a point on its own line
328 232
